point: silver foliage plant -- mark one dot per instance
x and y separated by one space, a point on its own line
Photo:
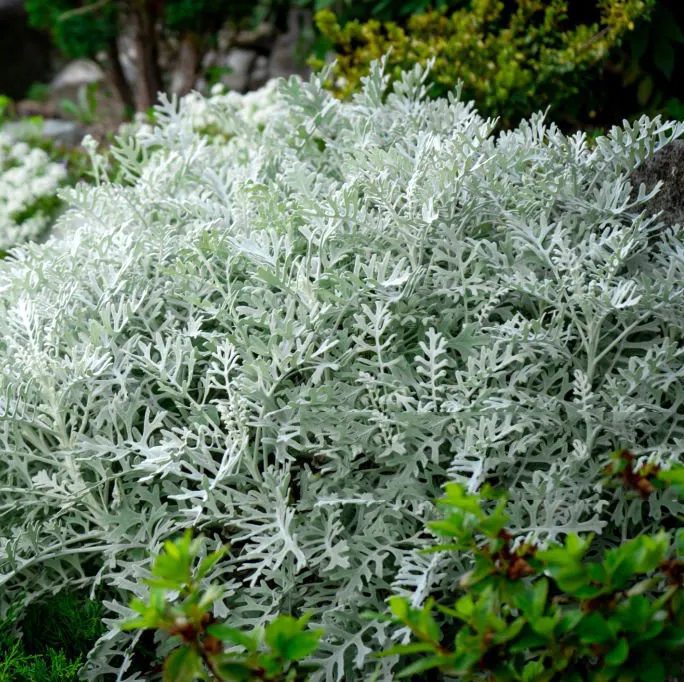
292 338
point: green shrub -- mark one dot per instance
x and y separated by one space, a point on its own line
549 614
55 637
290 339
512 61
272 653
647 68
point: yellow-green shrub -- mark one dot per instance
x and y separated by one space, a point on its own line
513 58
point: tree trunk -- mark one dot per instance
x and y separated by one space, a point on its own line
189 60
121 85
147 53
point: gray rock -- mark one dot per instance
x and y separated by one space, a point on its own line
260 73
60 131
666 166
284 61
24 129
75 75
239 63
63 132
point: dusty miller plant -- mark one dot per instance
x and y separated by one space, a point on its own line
29 181
290 337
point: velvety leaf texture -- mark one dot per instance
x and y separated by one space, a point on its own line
290 334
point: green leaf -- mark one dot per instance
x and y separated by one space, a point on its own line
540 593
569 620
572 579
543 626
664 57
448 528
421 665
183 665
405 649
594 629
639 40
673 639
234 636
649 666
527 641
644 91
208 562
679 542
458 498
668 21
618 654
135 624
570 553
164 584
465 607
211 594
532 671
232 670
633 613
427 624
399 607
302 645
279 632
139 606
674 475
173 563
302 621
653 629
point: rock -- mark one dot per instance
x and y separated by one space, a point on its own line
67 133
28 107
667 165
63 132
260 73
284 61
24 129
75 75
238 65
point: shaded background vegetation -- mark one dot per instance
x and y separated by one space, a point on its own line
595 61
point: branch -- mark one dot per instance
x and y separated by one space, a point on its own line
78 11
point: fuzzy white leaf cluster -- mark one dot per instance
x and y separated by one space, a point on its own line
28 179
293 338
214 113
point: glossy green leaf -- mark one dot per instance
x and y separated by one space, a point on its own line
183 665
594 629
301 645
233 636
208 563
422 665
233 671
618 654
